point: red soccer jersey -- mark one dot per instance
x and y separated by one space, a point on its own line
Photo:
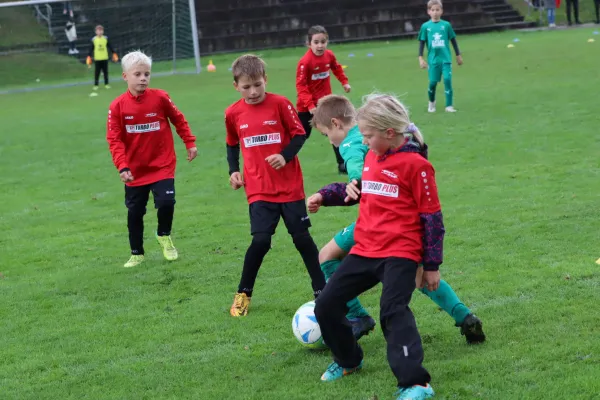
312 78
395 191
140 138
262 130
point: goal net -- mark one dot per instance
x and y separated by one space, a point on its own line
40 48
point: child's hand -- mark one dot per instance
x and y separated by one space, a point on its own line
236 181
352 191
312 110
126 176
432 280
192 153
276 161
314 202
347 88
422 63
459 60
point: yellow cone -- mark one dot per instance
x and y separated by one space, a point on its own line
510 46
344 66
590 40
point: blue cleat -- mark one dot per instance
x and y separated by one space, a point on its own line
416 392
335 371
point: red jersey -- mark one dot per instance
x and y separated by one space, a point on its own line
396 189
140 138
312 78
262 130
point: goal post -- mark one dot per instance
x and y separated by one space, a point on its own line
33 38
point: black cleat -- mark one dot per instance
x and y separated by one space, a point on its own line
472 329
362 326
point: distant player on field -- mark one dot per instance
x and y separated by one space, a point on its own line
313 80
267 128
436 35
99 52
141 143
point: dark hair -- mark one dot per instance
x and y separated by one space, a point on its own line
315 30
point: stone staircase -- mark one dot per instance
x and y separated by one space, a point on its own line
242 25
234 25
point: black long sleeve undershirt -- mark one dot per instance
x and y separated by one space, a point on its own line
293 147
233 158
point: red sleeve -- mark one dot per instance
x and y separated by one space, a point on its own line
114 136
424 189
232 138
338 71
290 119
302 75
178 120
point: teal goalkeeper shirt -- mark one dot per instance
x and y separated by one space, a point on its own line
353 151
437 36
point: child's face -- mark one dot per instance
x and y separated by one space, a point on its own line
99 31
335 133
251 89
137 78
435 12
318 44
377 141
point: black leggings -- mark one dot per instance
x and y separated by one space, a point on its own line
101 66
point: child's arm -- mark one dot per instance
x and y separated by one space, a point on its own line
452 37
177 118
338 71
114 137
422 43
293 127
115 57
233 154
335 194
425 194
304 95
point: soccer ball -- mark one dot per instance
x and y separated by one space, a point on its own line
305 327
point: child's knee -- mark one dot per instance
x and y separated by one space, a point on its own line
331 251
261 241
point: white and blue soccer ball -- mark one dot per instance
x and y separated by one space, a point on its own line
306 328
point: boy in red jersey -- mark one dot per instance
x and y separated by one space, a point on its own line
141 143
399 226
313 80
271 135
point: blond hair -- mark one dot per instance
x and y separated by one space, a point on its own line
134 58
432 3
249 65
384 111
333 106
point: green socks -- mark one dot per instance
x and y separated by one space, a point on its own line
448 301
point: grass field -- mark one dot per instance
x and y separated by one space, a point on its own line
518 177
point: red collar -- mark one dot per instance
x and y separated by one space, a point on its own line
139 97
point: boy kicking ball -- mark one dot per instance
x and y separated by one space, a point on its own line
141 144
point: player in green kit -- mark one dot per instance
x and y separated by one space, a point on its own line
436 35
335 118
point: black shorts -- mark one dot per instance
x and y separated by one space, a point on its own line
136 197
305 118
264 217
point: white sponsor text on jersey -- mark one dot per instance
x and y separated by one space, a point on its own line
261 140
380 188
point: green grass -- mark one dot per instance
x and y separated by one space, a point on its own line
517 169
18 26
